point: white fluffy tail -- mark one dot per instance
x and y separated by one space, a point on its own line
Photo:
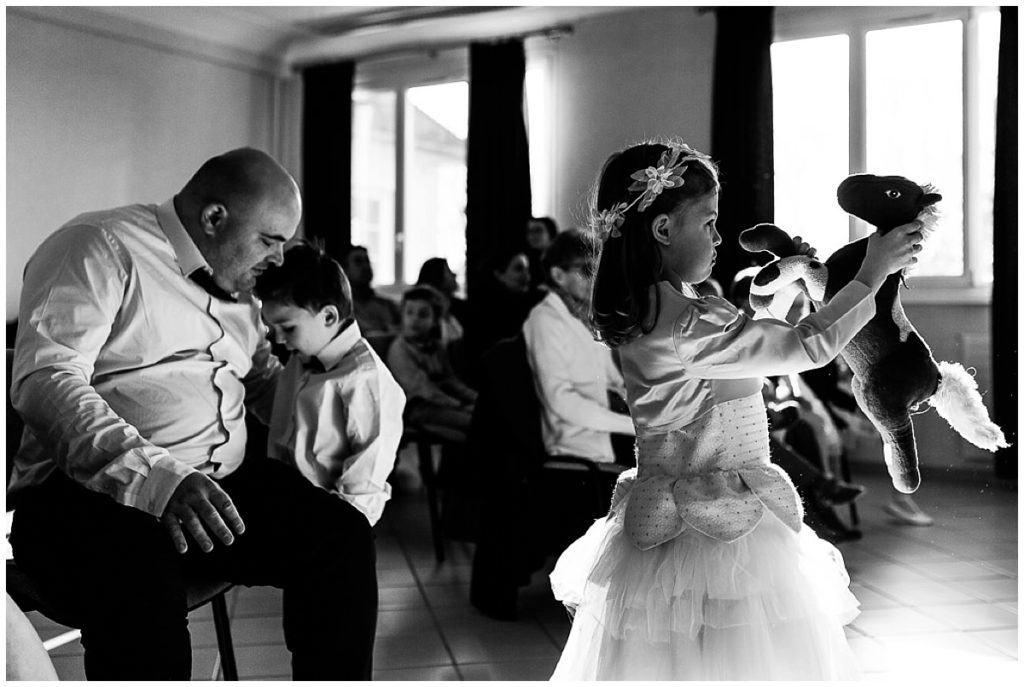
957 400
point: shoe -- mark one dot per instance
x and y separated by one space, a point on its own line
906 511
834 492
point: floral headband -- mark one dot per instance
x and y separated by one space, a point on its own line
651 181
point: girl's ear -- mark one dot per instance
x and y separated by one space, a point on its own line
660 229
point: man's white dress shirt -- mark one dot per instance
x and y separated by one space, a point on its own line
128 374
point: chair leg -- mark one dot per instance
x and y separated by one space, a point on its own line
844 466
426 456
222 624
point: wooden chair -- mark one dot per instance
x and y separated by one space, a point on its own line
30 597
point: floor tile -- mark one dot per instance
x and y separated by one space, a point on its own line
974 616
991 589
258 601
395 577
411 651
69 667
954 570
400 597
534 669
499 642
916 593
895 621
422 674
444 574
1004 640
258 662
444 595
871 598
404 621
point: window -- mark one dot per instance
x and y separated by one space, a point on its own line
907 91
410 121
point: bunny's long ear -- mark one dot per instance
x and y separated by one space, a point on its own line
768 238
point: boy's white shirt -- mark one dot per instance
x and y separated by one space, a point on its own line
340 427
573 374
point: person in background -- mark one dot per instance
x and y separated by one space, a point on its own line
377 316
435 272
438 401
540 232
572 372
499 306
139 351
337 413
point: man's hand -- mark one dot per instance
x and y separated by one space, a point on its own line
198 505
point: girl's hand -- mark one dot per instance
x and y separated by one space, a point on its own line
890 253
803 248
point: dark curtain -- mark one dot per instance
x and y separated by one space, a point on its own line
741 130
327 155
497 158
1004 240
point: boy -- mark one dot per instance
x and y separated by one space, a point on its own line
337 413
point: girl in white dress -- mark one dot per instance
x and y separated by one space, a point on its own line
703 568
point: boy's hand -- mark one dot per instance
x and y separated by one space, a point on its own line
803 248
198 504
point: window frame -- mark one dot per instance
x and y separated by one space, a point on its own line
794 23
398 74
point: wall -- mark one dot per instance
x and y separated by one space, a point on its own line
622 78
102 113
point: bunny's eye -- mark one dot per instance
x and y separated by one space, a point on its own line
892 193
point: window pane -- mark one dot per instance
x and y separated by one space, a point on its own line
988 76
810 82
915 124
437 119
539 122
373 179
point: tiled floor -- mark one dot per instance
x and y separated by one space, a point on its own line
939 600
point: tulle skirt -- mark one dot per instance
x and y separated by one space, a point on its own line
769 606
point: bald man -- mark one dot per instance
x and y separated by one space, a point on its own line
138 350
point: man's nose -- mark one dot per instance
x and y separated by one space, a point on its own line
277 255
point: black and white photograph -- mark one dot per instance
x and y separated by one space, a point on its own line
571 343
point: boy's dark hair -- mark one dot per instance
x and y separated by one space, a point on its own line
502 257
309 279
433 272
433 297
568 247
621 307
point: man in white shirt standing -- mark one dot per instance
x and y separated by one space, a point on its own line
138 344
572 372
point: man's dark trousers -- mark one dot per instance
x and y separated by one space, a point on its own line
118 567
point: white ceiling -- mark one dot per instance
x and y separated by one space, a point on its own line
297 34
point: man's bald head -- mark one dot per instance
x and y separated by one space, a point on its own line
240 208
241 179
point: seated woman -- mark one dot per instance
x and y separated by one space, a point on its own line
573 373
437 401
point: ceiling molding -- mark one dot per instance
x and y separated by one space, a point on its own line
425 34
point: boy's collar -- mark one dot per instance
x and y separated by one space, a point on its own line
347 337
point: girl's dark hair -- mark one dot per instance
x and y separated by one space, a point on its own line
629 264
434 298
309 279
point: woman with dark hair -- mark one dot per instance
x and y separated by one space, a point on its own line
540 233
502 301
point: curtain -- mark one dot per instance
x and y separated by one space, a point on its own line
1004 240
327 155
497 157
741 130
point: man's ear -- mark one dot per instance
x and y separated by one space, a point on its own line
212 218
660 229
558 275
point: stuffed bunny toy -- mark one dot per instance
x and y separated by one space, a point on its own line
893 368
